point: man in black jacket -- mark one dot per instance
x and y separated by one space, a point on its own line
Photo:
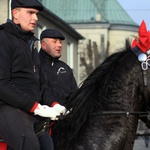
59 74
22 82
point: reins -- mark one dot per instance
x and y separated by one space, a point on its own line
125 113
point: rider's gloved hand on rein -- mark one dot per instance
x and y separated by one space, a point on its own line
59 108
46 111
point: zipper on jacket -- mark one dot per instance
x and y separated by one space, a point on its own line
52 63
34 69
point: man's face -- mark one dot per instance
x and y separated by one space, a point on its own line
52 46
26 17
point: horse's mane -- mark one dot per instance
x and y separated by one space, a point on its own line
81 109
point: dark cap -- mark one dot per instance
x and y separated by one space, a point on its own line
51 33
27 4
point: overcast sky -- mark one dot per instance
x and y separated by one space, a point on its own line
138 10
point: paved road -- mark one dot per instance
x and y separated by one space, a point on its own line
140 145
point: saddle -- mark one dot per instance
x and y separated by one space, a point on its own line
42 126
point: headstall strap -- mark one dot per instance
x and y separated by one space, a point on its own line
145 63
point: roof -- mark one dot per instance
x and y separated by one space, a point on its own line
61 23
82 11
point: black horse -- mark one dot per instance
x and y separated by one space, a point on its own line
103 115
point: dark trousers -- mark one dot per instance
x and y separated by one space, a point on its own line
17 130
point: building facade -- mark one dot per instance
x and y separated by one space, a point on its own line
103 22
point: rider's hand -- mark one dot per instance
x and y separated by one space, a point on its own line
46 111
59 108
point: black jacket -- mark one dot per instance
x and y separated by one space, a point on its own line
22 81
60 78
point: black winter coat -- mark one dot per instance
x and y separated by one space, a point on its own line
60 78
22 81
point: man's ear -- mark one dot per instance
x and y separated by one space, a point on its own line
15 15
43 45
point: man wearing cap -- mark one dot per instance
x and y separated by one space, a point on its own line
22 82
60 76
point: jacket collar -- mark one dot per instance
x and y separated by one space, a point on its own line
16 30
43 53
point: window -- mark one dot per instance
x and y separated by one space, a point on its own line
102 43
10 16
70 58
102 48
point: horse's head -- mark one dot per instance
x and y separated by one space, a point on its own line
141 47
119 84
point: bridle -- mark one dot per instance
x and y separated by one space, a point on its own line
144 59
